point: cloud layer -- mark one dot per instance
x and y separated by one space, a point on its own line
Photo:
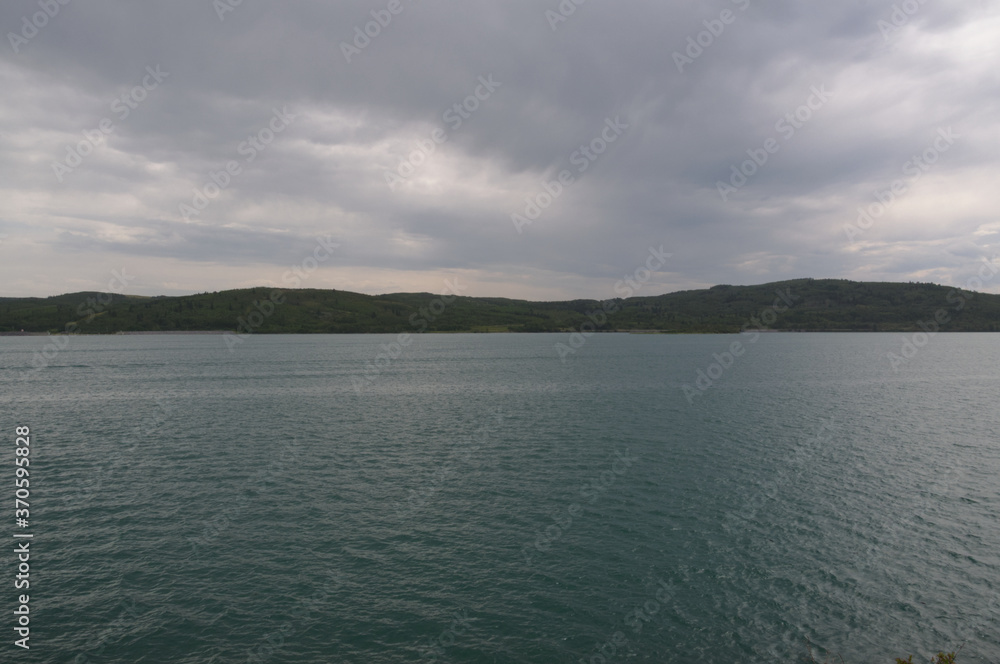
205 145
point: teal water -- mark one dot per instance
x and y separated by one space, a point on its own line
482 501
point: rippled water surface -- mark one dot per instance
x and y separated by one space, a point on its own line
478 500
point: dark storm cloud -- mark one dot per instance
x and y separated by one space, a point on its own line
846 93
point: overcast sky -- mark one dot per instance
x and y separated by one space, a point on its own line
357 139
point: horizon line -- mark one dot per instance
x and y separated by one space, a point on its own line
493 297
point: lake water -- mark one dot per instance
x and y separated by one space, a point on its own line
477 499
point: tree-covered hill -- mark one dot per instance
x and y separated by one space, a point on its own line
802 304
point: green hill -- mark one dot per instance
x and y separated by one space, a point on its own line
807 305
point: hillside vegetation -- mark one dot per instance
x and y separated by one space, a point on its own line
805 305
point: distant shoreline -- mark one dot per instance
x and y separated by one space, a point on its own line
802 305
147 333
111 334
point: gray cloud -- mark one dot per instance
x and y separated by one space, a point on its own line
894 80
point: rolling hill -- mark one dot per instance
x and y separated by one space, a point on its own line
800 305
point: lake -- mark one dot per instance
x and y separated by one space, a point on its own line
497 498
